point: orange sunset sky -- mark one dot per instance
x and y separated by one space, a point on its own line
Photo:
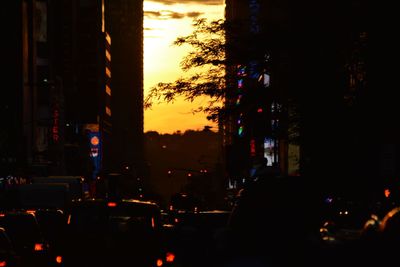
164 21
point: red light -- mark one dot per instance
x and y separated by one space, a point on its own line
170 257
387 193
252 147
3 263
112 204
189 174
39 247
259 110
159 263
59 259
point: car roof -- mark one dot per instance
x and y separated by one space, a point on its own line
131 204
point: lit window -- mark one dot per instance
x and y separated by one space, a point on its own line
108 72
108 38
108 111
108 90
108 55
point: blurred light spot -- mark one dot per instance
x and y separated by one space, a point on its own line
111 204
387 192
170 257
59 259
39 247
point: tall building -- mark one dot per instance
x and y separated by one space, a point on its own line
14 87
125 22
257 78
301 91
24 105
77 108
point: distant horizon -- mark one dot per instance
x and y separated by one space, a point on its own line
182 132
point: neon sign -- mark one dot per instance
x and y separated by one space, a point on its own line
55 130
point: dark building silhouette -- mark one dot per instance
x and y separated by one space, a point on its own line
125 20
68 86
12 150
318 57
258 71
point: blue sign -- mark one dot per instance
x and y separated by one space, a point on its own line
95 152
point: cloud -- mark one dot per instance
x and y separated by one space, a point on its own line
198 2
193 14
168 14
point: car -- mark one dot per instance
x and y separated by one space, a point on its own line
53 223
8 255
26 237
274 222
104 232
198 236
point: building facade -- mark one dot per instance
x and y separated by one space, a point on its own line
70 109
257 86
300 90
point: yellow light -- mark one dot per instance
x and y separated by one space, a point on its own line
159 263
94 140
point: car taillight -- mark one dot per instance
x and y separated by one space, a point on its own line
170 257
31 212
112 204
3 263
59 259
160 262
39 247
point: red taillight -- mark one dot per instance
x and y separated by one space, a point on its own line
111 204
159 263
3 263
59 259
170 257
39 247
